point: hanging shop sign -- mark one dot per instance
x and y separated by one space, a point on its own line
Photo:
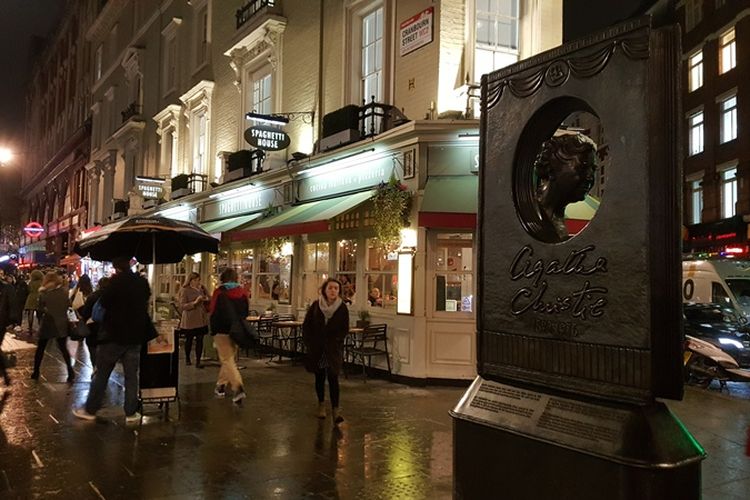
267 138
354 178
416 31
243 204
150 188
33 230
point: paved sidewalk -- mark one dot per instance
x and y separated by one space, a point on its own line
396 441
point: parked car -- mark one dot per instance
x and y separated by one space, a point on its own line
722 326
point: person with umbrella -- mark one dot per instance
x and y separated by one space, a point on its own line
126 327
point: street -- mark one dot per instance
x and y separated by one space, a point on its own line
396 441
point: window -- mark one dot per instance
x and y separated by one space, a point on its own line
454 269
728 113
719 295
727 52
200 161
696 201
496 35
372 56
98 64
261 95
169 78
382 276
346 267
728 192
242 262
274 272
202 35
695 124
695 75
315 266
693 13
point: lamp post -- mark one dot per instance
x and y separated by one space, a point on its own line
6 157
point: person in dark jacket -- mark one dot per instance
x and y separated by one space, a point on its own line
85 312
324 330
8 316
53 308
32 299
228 303
124 330
22 291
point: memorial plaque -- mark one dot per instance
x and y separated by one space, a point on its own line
580 288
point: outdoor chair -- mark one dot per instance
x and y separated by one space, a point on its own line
265 333
374 342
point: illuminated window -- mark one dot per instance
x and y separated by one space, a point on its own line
728 191
274 276
727 51
372 56
261 96
695 124
454 272
728 120
382 276
346 267
695 75
242 262
315 266
496 35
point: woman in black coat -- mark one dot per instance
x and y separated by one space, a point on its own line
324 330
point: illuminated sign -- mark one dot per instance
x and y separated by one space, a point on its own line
150 188
267 138
254 201
33 230
354 178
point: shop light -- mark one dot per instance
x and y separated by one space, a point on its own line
174 212
267 119
408 238
405 282
152 180
232 193
287 248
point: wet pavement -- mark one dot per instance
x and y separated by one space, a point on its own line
396 441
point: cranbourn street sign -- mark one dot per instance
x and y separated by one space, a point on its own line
267 138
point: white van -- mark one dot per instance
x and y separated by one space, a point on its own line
725 281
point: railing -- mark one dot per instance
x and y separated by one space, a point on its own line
375 118
252 7
132 110
197 182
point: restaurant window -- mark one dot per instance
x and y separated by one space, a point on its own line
315 262
695 75
346 267
728 191
728 120
695 123
496 35
727 51
382 276
454 272
274 277
171 280
242 262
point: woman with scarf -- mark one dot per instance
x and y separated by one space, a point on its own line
53 308
324 330
228 304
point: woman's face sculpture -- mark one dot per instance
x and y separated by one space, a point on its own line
573 177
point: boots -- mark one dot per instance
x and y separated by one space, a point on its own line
337 418
321 410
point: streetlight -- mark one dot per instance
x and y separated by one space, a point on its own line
6 155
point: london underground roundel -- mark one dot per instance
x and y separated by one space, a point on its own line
33 229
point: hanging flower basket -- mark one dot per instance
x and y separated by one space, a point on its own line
390 213
271 247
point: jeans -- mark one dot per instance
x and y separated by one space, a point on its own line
39 354
106 356
333 386
227 351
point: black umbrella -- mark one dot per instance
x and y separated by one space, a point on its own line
151 240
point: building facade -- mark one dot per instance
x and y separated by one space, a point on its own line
368 94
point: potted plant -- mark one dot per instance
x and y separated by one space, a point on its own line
364 319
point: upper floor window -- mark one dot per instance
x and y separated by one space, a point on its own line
202 33
695 75
727 51
262 93
695 123
693 13
372 56
696 201
170 56
728 191
728 119
98 64
496 35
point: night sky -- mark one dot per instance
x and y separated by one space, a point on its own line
20 20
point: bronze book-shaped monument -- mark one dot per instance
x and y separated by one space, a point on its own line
579 323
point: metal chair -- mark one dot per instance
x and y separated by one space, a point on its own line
266 333
368 346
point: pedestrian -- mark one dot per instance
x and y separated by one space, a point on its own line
22 291
323 331
32 299
124 330
228 303
81 291
194 317
7 317
53 323
85 312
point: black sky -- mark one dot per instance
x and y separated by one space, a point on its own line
20 20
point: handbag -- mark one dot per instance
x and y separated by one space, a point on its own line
241 331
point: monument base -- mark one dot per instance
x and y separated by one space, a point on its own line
517 443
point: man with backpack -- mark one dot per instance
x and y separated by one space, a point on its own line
125 327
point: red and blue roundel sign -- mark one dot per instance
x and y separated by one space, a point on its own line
33 229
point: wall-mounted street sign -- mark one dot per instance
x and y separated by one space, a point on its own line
33 230
267 138
416 31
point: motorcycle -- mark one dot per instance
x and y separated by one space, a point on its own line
705 362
